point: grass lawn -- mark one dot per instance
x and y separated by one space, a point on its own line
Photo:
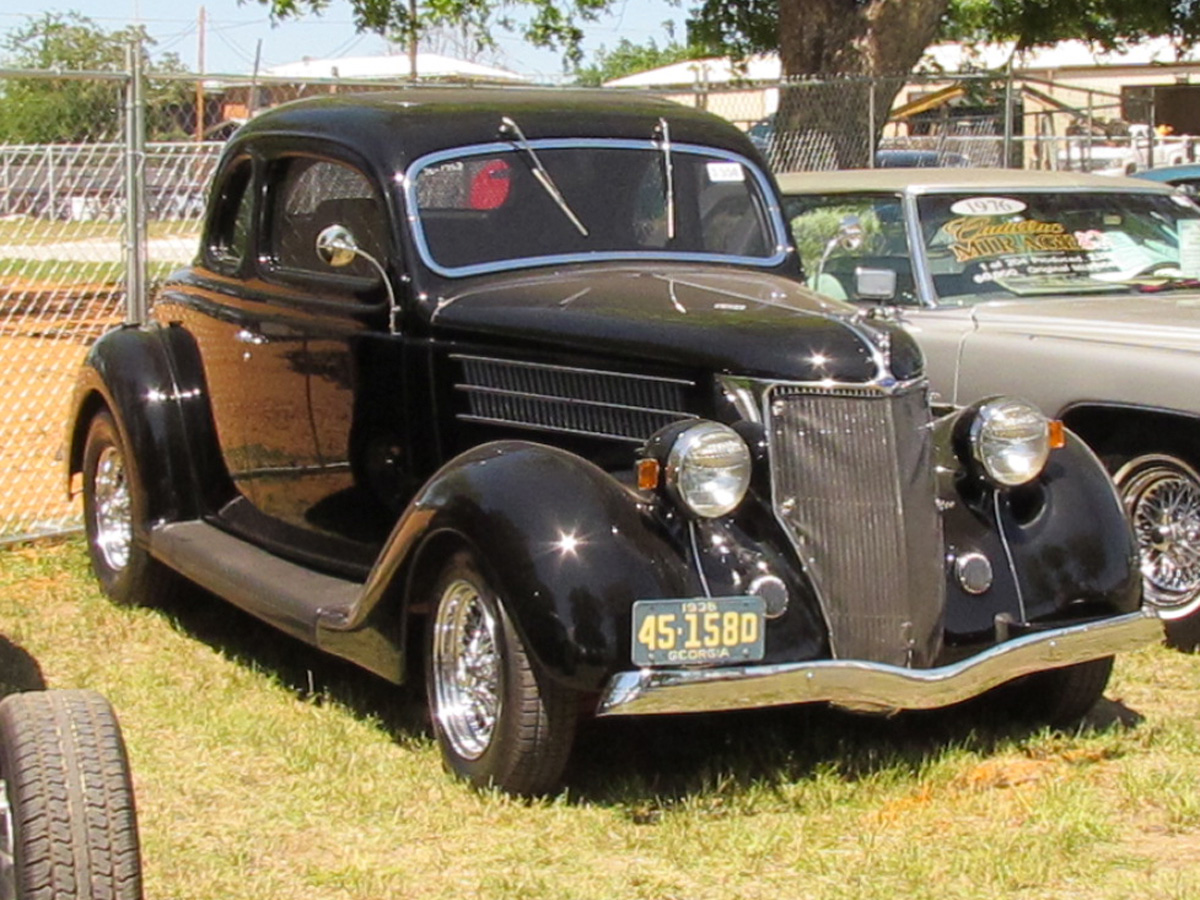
264 770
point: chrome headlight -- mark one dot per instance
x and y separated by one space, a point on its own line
708 469
1010 439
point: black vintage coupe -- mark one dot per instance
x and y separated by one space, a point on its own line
522 384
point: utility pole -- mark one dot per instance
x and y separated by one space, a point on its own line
200 79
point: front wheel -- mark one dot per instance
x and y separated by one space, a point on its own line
68 828
1161 495
499 723
1062 697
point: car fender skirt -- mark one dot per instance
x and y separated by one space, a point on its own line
566 546
874 687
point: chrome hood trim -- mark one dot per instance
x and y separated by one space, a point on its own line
879 687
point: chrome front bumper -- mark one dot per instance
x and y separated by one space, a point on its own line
873 686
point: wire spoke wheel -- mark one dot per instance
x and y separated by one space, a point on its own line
112 509
466 667
1162 499
500 721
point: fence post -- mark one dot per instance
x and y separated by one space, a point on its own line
1008 119
136 304
871 126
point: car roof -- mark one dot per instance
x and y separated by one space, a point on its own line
931 180
394 127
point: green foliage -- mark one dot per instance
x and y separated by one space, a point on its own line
555 24
40 110
627 58
1107 23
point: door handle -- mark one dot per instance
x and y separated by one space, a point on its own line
246 336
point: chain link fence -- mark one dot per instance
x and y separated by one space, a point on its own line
101 201
983 120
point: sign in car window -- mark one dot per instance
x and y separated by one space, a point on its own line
1055 241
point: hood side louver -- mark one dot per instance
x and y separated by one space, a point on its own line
567 400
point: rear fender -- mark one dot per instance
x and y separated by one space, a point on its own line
151 380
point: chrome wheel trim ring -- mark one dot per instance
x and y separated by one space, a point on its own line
1162 499
112 509
466 669
8 848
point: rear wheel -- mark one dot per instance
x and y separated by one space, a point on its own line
113 500
1161 495
68 828
499 723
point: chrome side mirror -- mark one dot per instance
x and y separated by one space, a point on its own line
336 246
850 234
875 284
850 237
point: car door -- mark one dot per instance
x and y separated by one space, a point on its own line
307 359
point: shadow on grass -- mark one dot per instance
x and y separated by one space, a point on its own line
673 758
647 763
312 675
19 671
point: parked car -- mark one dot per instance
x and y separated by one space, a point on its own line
1185 176
896 158
68 827
1079 292
521 387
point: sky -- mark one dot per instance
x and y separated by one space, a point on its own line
233 30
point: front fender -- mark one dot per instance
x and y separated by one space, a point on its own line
1060 547
566 546
151 380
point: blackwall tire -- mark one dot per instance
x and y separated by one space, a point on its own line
68 828
113 501
1161 496
1062 697
498 722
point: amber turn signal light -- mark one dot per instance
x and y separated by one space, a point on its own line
1058 434
647 474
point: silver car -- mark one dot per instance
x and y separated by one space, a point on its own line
1079 292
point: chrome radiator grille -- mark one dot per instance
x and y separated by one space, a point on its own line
852 478
567 400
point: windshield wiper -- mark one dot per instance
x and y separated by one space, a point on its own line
509 127
662 134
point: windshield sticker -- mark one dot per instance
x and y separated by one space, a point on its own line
1189 248
987 206
975 238
725 172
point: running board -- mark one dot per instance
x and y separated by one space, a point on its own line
287 596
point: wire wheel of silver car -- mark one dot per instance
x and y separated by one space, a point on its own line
113 498
498 722
69 828
1161 495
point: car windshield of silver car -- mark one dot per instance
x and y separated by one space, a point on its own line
985 247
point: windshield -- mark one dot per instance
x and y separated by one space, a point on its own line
1024 244
502 206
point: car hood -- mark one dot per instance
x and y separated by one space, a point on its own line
1153 320
719 319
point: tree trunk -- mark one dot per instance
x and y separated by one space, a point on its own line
855 57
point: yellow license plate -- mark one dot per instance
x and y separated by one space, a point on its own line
697 632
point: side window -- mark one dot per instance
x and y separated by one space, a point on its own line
310 196
229 237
